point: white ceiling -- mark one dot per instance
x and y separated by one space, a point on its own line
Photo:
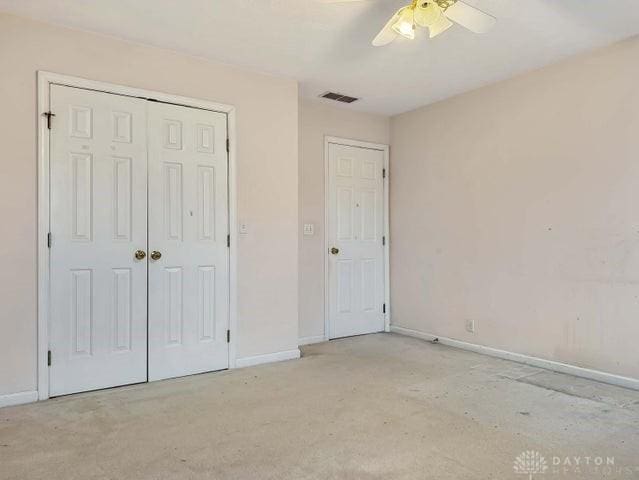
327 46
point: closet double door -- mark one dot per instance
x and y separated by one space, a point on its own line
138 240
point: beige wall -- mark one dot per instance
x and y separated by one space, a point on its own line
517 206
318 120
267 124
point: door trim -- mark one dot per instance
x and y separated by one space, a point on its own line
45 80
385 149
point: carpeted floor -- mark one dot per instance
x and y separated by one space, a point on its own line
373 407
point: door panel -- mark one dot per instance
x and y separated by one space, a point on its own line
355 228
98 220
188 225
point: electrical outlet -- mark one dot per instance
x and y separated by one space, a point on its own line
470 326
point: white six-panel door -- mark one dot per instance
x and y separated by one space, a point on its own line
355 240
98 332
109 155
188 226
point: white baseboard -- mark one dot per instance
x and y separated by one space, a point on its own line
18 398
311 340
596 375
268 358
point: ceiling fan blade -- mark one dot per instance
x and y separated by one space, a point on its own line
440 26
387 34
470 17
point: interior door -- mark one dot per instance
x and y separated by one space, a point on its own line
355 234
188 228
98 170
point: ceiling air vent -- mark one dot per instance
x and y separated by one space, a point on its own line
338 97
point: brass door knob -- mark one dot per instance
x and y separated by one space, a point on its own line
155 255
334 251
140 254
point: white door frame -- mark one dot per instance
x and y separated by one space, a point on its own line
385 150
45 79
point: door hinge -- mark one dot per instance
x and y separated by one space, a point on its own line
228 336
384 308
383 173
49 358
228 241
228 145
49 240
384 240
49 115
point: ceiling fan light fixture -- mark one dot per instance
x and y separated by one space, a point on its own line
405 25
427 14
435 15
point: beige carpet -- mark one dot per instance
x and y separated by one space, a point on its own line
374 407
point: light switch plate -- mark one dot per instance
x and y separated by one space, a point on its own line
309 229
470 326
243 228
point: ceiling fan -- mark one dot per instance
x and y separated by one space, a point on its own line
436 15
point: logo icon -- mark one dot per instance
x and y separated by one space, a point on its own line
530 463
